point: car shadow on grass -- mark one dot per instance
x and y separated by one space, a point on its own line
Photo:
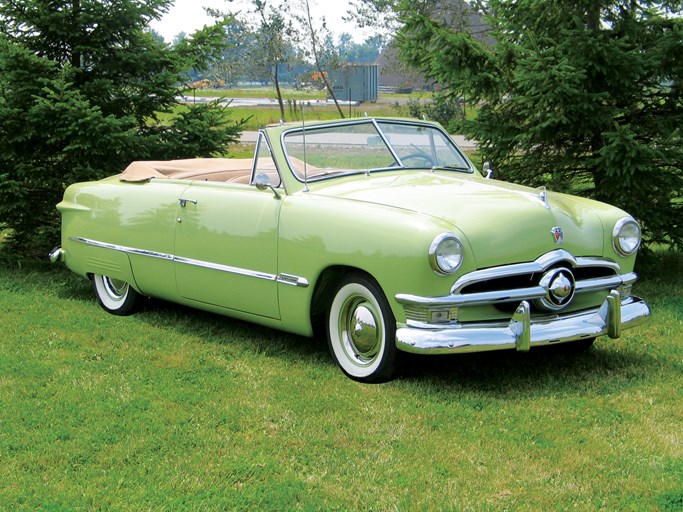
605 367
557 370
211 327
226 330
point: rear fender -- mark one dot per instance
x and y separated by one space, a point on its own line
87 260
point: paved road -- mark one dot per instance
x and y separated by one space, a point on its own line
462 142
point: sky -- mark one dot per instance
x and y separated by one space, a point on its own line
188 16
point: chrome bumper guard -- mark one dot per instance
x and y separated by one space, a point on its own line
523 332
56 255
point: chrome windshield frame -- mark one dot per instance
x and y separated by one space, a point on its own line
262 137
376 122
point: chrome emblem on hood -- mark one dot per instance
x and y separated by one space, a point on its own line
558 235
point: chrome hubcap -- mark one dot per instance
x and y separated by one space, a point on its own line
363 330
115 288
362 338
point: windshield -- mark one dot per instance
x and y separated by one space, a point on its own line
369 146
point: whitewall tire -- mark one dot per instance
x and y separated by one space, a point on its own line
115 296
361 330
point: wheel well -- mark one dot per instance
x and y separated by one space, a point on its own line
322 294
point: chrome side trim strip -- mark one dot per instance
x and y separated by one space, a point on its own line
292 280
224 268
122 248
281 278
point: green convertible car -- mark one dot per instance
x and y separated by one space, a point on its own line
380 230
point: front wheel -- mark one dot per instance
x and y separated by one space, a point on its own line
115 296
361 331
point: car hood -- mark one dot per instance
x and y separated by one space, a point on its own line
503 222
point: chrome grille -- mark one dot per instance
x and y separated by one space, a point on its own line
582 274
548 285
508 284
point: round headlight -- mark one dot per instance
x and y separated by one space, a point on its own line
626 236
445 254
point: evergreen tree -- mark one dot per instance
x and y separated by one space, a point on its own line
82 83
578 95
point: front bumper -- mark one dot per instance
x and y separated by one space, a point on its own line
523 332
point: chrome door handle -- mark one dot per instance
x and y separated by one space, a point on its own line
182 201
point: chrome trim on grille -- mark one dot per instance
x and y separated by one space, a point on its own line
541 264
420 307
474 299
281 278
602 283
480 287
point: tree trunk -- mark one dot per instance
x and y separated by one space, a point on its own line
329 88
76 54
276 81
316 57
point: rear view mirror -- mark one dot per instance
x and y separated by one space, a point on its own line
262 182
488 172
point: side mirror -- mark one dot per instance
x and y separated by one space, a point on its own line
262 182
488 172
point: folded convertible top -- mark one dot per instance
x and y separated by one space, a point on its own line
145 170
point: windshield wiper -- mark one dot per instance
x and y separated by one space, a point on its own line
450 168
330 172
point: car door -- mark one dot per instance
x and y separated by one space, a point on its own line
226 247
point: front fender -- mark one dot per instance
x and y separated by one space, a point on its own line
388 243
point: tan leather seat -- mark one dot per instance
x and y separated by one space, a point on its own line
246 179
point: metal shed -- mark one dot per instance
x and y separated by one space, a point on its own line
356 82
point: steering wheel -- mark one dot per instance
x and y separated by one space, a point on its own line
419 155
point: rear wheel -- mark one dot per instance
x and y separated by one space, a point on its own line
115 296
361 331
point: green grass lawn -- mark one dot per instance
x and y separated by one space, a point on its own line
260 116
258 92
289 93
175 409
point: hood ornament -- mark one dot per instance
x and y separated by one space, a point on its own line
558 235
540 195
543 197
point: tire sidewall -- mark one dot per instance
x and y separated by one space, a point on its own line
383 366
126 305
